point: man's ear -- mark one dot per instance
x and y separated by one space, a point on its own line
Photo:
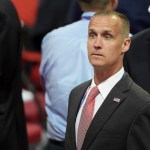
126 45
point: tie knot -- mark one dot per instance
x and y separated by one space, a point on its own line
94 92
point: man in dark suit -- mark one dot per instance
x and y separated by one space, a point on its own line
109 112
12 119
137 59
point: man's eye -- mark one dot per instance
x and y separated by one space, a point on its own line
91 35
107 36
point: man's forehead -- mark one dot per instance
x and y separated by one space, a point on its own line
104 20
105 17
105 25
102 30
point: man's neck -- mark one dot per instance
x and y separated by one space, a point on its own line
102 75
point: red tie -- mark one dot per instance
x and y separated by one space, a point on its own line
86 116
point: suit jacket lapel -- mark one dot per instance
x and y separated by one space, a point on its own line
77 98
107 109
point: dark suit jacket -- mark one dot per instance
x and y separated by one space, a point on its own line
12 119
137 12
116 126
137 59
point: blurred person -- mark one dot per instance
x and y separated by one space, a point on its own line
64 65
137 59
12 120
138 12
75 12
50 15
109 112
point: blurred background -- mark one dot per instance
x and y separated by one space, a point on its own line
39 17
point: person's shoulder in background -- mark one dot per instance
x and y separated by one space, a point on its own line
138 12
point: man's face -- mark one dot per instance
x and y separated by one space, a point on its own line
106 43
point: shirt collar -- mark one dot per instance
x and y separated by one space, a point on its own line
106 86
87 15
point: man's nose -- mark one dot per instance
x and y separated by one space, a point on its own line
98 42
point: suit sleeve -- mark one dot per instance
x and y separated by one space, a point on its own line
139 135
9 61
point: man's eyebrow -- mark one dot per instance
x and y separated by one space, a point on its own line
91 30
